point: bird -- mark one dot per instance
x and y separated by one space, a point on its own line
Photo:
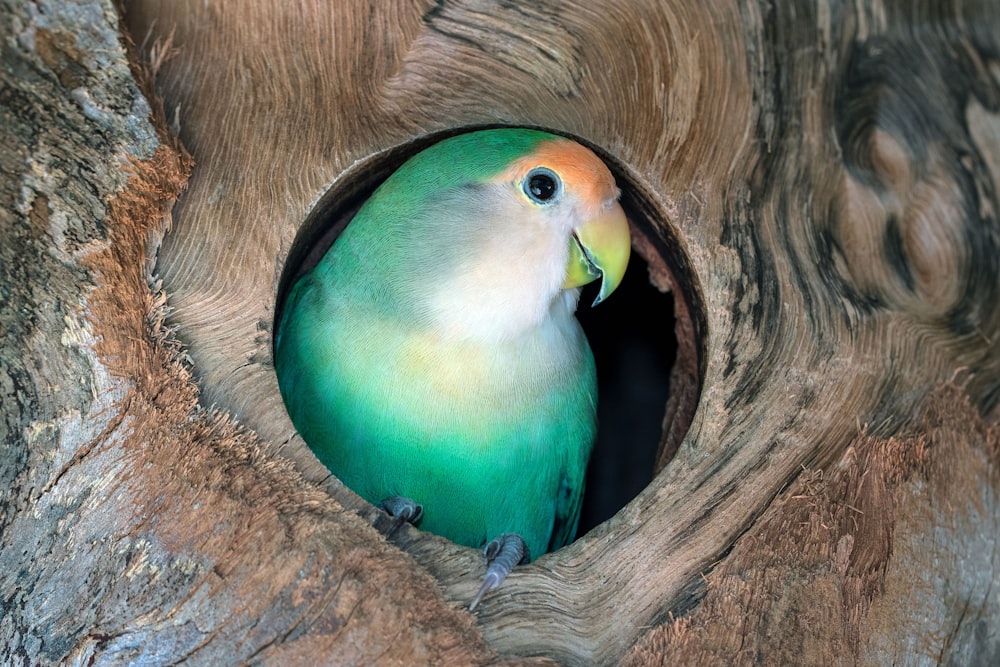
432 356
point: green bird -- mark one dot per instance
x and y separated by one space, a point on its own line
433 354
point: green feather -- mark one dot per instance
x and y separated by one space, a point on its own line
491 436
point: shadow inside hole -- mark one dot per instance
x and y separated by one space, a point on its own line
632 337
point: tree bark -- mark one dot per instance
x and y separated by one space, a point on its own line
139 526
818 186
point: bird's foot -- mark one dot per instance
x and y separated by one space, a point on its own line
402 510
502 554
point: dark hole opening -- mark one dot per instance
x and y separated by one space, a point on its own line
631 335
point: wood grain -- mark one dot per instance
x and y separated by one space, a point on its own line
833 210
137 526
821 185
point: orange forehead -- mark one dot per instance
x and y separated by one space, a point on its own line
581 171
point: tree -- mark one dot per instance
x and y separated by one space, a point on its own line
818 186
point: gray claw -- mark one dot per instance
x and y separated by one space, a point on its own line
503 554
402 510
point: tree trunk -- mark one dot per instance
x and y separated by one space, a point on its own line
816 185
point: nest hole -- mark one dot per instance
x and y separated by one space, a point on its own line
645 337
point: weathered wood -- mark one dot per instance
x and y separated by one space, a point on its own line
824 180
136 526
886 557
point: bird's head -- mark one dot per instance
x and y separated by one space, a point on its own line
491 233
571 190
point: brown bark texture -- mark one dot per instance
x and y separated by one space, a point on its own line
817 183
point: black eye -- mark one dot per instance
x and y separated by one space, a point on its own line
542 185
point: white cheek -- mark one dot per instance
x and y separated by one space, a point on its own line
509 287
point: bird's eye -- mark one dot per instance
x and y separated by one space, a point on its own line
542 185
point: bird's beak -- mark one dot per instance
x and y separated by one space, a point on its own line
599 248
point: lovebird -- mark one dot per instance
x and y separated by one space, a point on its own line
432 356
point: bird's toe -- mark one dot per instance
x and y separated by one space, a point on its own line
502 553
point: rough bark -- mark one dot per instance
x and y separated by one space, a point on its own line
886 557
817 183
139 527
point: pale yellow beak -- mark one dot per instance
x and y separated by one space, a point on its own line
599 248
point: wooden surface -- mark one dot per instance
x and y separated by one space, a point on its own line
136 525
823 187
